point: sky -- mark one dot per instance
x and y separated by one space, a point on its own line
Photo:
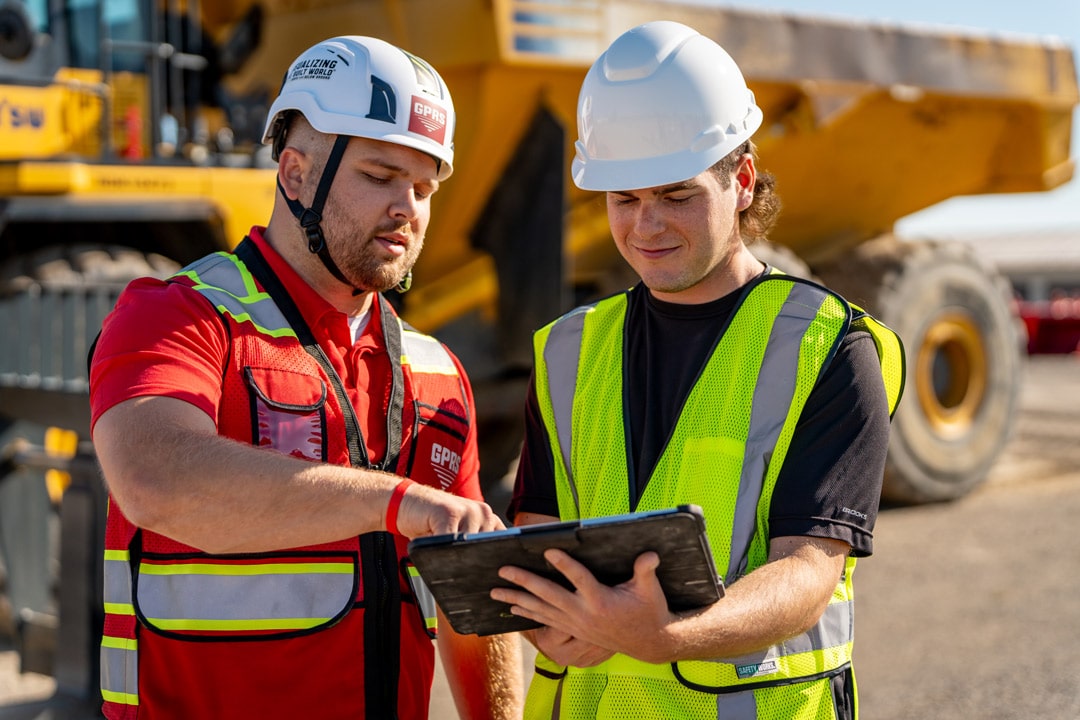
1057 209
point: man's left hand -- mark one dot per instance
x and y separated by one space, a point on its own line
629 618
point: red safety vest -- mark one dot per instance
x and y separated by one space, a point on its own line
327 631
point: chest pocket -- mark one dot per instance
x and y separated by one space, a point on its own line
288 411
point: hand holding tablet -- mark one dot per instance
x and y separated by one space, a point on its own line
461 570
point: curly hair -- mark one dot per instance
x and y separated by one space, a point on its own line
756 221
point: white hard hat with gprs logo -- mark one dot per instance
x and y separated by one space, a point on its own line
365 87
355 86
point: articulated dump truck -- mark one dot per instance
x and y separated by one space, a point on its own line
129 145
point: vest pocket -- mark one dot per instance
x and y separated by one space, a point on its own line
244 597
288 411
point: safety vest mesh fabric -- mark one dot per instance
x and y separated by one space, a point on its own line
784 331
185 593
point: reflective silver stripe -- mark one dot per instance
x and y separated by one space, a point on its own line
832 630
562 353
736 706
771 404
425 354
244 597
424 599
117 585
221 279
119 670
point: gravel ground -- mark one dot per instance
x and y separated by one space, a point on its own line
967 609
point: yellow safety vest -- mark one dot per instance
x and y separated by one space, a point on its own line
725 455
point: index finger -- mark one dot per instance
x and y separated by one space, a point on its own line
579 576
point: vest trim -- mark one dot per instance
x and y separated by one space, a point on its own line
771 402
735 689
249 600
562 356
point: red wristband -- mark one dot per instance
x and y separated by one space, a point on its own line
395 503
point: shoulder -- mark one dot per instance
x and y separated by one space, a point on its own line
161 316
159 303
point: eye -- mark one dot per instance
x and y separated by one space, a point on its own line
678 199
375 179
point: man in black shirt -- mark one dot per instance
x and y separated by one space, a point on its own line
715 381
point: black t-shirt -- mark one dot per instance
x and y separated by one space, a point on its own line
830 484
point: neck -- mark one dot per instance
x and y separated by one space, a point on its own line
291 244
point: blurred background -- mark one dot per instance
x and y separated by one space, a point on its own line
925 152
1053 211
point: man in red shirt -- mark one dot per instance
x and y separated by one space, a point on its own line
256 417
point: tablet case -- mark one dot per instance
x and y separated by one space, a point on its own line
461 570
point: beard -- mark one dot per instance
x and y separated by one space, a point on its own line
368 266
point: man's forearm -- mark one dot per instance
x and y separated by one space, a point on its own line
779 600
484 673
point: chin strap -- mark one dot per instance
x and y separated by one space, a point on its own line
311 217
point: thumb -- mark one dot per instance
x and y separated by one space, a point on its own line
645 566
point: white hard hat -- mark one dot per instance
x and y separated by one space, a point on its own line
366 87
661 105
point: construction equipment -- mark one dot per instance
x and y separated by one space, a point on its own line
128 145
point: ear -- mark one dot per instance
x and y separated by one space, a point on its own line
292 168
745 178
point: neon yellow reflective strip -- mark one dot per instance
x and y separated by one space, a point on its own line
246 317
430 623
253 296
119 608
119 697
413 572
119 643
119 555
267 624
267 569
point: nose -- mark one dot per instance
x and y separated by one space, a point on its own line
647 222
406 206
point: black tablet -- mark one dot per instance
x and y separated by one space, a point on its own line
461 570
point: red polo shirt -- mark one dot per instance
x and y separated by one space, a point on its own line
182 355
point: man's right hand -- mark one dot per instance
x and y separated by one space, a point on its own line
565 649
427 511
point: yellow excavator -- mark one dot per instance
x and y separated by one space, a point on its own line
129 145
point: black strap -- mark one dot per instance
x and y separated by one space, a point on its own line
311 217
358 456
395 414
382 595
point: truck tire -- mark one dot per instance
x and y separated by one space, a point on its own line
782 258
82 265
58 297
963 356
